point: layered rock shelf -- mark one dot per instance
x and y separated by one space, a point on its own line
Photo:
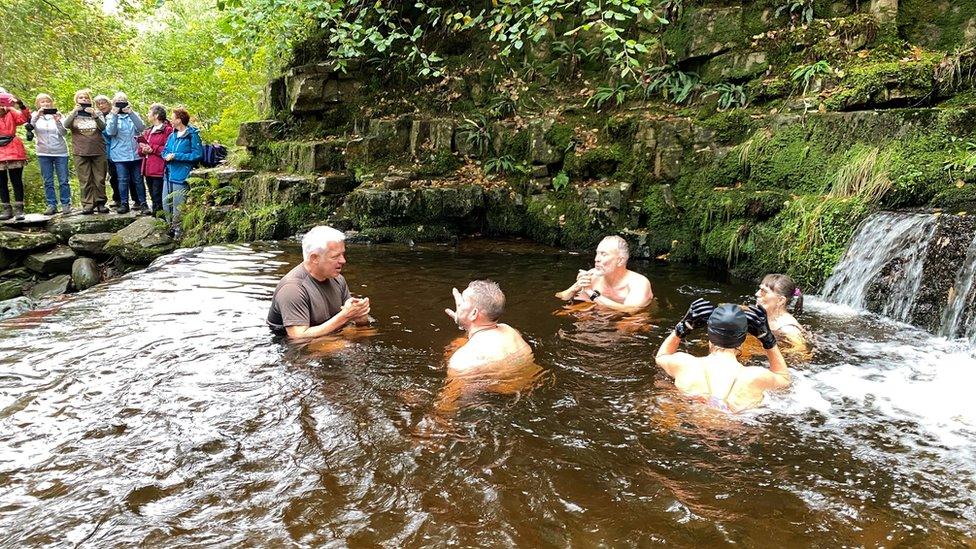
44 256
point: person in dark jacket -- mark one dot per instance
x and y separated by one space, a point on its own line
152 142
183 150
13 155
88 146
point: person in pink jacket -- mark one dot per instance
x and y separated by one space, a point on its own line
151 145
13 155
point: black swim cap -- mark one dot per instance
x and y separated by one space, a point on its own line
727 327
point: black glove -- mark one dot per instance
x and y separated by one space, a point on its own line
759 326
696 317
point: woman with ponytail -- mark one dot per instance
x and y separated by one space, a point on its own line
775 294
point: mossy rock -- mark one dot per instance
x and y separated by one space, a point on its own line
595 163
141 242
956 198
410 234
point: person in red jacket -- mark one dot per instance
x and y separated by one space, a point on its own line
151 145
13 155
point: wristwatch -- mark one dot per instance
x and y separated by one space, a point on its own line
594 294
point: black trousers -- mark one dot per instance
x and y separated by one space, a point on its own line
155 185
113 180
16 176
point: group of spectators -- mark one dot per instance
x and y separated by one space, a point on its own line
108 140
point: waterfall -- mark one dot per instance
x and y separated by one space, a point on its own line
884 262
960 299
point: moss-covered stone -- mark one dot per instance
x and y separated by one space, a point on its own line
595 163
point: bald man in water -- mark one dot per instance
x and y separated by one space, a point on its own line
609 283
490 343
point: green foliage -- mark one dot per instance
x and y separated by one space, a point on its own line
60 47
963 156
503 165
864 175
730 96
405 37
478 133
815 231
798 11
560 181
807 73
670 83
615 95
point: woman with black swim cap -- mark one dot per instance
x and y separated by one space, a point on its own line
719 378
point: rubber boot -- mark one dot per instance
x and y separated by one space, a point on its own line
5 212
18 210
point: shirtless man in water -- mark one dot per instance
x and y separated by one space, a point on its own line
719 378
609 283
490 343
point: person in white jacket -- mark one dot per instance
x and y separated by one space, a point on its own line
52 153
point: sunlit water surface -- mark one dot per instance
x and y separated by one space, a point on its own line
159 410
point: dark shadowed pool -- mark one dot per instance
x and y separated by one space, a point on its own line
158 410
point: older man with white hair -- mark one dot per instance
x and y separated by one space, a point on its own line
609 283
313 299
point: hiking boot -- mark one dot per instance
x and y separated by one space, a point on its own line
66 209
101 209
123 209
87 211
5 212
18 210
51 210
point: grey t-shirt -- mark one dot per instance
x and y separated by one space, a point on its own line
300 300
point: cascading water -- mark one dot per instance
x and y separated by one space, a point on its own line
954 319
884 240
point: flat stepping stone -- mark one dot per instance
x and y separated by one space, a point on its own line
29 220
21 241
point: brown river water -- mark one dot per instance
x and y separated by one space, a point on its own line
157 410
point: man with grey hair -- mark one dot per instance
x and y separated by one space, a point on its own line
609 283
313 299
490 343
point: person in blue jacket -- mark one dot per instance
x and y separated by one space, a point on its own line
183 150
122 127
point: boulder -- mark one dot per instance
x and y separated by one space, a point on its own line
12 288
67 226
90 244
18 241
51 288
141 242
713 30
58 260
336 183
29 221
255 134
85 273
734 66
540 150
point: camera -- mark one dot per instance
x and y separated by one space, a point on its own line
82 107
30 131
49 110
121 104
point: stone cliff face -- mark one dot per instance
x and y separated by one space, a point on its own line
778 185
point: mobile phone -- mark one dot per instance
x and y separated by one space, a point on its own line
121 104
49 110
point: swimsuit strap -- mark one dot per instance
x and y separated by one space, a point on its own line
708 382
